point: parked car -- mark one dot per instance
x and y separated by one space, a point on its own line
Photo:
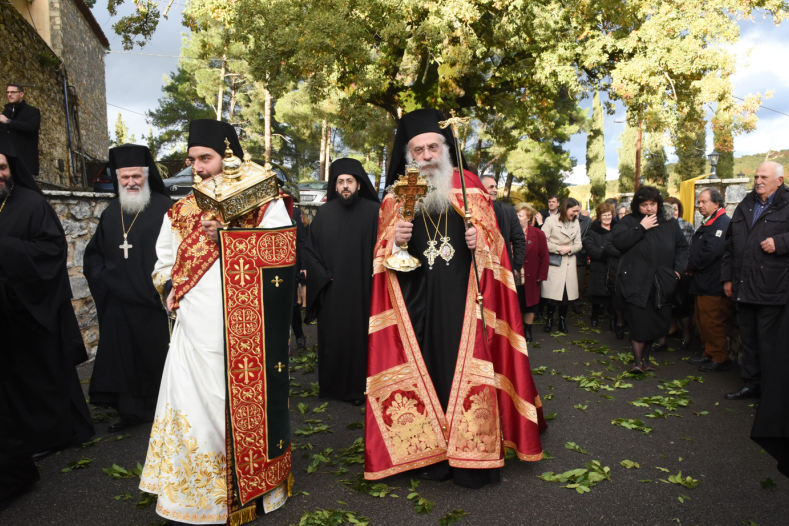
102 181
180 184
313 194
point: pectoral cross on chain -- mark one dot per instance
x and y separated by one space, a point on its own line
125 247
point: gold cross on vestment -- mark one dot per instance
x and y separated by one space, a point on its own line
276 281
408 190
279 367
281 443
246 370
242 270
125 247
454 122
252 461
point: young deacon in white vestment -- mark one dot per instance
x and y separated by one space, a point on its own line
186 461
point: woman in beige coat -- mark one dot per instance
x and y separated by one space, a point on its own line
564 240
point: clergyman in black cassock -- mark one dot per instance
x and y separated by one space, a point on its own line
339 261
43 394
133 326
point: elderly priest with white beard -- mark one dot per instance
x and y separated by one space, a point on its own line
41 342
446 392
119 260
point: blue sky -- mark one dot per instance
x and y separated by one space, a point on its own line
134 83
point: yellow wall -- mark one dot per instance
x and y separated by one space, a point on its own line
36 13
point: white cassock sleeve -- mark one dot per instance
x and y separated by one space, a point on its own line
165 257
276 216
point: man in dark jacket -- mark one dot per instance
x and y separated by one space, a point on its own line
22 121
755 273
509 226
712 305
552 210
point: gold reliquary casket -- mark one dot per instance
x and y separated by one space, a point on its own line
242 187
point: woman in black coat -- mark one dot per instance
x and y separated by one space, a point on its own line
654 253
597 238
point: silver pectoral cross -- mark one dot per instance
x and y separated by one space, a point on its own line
431 253
125 247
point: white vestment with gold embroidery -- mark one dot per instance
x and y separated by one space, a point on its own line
185 465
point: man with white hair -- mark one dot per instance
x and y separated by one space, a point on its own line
119 260
755 276
446 387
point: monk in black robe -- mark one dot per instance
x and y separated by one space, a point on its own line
43 394
339 261
133 327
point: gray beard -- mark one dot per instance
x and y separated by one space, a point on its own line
438 173
134 204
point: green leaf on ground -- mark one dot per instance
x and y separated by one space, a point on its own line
581 407
688 482
607 397
562 350
768 483
629 464
546 455
539 370
86 445
355 425
321 409
323 517
452 517
548 397
146 499
662 469
630 423
303 408
118 472
687 439
683 498
582 480
550 416
125 496
360 485
311 430
572 446
701 413
117 438
422 505
82 463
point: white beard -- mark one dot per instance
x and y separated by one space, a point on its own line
438 173
134 203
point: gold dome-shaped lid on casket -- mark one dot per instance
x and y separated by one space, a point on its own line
242 187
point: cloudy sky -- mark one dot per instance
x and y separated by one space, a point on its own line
134 84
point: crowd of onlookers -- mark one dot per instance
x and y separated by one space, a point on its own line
653 275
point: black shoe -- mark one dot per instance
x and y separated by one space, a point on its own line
595 315
528 334
42 454
301 342
656 347
562 325
715 367
358 402
612 324
120 425
595 323
685 345
700 360
548 324
619 331
744 394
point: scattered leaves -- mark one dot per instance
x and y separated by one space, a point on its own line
125 496
629 464
550 416
360 485
539 370
82 463
688 482
572 446
452 517
322 517
768 483
581 407
629 423
421 504
355 425
313 429
145 500
581 480
117 472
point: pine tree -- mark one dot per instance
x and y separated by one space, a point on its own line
627 159
724 144
595 152
653 164
122 135
544 183
690 148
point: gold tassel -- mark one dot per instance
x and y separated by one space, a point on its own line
243 516
290 484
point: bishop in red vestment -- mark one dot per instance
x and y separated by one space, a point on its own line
445 396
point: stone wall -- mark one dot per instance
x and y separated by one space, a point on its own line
82 50
33 63
79 212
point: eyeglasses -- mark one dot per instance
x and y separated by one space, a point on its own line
419 150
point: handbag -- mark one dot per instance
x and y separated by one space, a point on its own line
555 260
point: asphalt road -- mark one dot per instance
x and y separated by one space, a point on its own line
712 448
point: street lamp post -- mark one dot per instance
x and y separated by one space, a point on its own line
714 157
